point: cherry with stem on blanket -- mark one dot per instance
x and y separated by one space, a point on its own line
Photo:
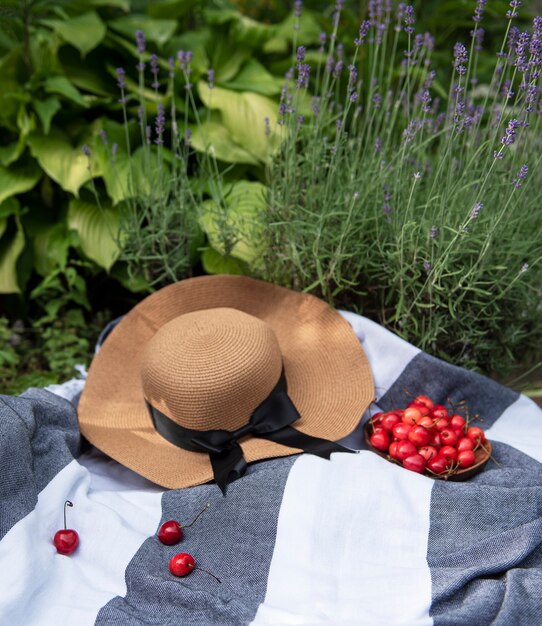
182 564
171 532
66 540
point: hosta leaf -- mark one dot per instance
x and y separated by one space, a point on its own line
10 153
244 114
240 217
62 86
214 137
254 77
170 9
156 30
97 229
18 179
84 32
64 163
215 263
46 110
10 250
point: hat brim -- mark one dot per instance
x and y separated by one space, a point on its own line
328 374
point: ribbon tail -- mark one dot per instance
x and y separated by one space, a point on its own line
293 438
228 465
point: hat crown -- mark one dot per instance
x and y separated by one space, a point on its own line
210 369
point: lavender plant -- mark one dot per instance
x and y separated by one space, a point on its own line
420 211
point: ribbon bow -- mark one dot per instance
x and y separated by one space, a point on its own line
270 420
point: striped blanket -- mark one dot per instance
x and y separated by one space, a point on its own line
297 540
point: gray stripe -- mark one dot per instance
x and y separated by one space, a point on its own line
485 545
31 426
444 382
234 540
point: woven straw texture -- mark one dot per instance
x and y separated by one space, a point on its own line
206 351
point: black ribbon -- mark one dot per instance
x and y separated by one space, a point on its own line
270 420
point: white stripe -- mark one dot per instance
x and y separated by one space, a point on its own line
520 426
363 563
40 586
383 348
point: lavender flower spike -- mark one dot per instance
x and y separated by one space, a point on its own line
121 77
409 19
298 6
140 41
521 176
86 150
211 78
460 58
510 133
160 124
514 5
301 54
475 211
363 30
479 11
303 73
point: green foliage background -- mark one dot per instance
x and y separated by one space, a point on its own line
61 268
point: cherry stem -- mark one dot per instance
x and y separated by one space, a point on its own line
207 572
67 503
200 513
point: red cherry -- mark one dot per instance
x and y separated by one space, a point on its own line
435 440
419 436
465 444
476 434
425 400
171 532
442 423
405 449
393 449
448 437
427 422
466 458
67 539
448 452
422 408
380 440
457 421
438 464
411 415
182 564
414 463
439 411
401 430
428 452
389 420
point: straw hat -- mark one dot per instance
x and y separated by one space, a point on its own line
213 372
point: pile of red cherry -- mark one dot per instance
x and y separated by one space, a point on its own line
425 437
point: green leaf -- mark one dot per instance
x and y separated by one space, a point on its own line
84 32
126 178
170 9
240 217
18 179
9 154
10 251
254 77
51 246
214 137
98 230
156 30
9 207
215 263
46 110
244 114
64 163
124 5
309 28
62 86
227 59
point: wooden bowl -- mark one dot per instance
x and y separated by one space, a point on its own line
481 458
